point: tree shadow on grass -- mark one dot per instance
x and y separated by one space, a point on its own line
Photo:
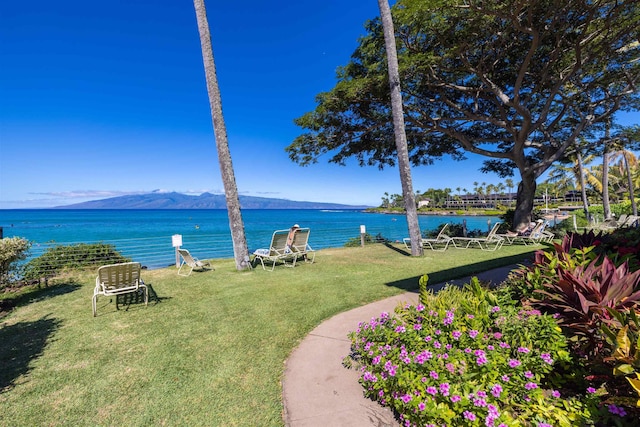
411 284
35 295
20 344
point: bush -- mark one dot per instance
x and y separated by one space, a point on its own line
462 361
12 250
77 256
368 239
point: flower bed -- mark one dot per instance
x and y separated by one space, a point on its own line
480 357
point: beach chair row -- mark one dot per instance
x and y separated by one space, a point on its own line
491 242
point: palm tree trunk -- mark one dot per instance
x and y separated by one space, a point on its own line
606 206
585 201
399 131
240 250
634 208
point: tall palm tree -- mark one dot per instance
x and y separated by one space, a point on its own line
627 163
240 249
509 183
399 128
606 205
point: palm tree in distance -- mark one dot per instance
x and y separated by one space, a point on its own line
399 128
240 250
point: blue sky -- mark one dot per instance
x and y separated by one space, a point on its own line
100 99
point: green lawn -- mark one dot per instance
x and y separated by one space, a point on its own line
208 350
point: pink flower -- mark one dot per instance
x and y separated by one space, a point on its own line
514 363
496 390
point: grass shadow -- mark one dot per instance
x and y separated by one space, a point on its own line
397 249
22 343
36 294
410 284
136 298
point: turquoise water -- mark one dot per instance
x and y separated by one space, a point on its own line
145 235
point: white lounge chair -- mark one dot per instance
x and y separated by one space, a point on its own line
536 235
119 279
300 245
439 243
278 251
490 242
192 263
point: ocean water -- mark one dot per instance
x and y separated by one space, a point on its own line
145 235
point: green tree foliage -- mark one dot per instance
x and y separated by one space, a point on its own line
12 250
517 81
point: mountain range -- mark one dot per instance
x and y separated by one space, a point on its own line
203 201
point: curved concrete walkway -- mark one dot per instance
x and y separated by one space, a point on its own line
319 392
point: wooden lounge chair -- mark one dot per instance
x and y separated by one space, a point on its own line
439 243
300 245
278 251
192 263
119 279
490 242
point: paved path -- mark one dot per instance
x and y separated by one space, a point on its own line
319 392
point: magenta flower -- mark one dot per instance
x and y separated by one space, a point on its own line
456 335
407 398
417 327
432 390
444 389
530 386
496 390
482 360
555 393
434 375
546 357
528 375
422 406
456 398
473 333
523 350
469 415
514 363
591 390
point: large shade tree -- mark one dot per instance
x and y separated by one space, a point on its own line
240 249
517 81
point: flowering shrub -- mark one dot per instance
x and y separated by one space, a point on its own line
470 365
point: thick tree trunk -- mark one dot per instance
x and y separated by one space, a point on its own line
524 201
240 250
399 132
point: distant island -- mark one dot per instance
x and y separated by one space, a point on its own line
203 201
